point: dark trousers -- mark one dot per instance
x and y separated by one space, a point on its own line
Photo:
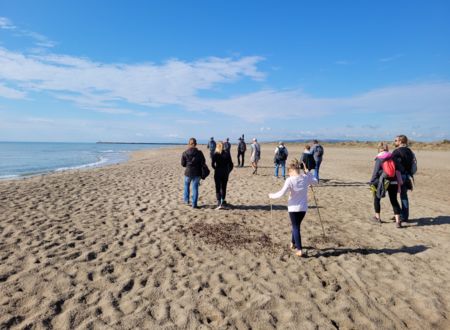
239 157
296 221
221 187
392 192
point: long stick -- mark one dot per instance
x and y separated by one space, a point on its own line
318 212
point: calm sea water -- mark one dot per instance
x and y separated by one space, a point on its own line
18 159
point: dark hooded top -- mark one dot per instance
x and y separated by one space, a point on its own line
222 164
192 159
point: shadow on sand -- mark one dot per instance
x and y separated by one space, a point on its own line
335 252
440 220
337 183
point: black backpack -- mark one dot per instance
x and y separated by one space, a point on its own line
242 146
281 153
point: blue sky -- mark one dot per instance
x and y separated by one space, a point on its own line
158 71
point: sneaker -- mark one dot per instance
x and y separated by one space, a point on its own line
398 224
219 207
195 207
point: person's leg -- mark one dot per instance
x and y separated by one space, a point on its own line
195 184
238 159
377 207
218 186
295 222
243 156
283 168
404 200
224 189
316 169
392 191
276 169
187 183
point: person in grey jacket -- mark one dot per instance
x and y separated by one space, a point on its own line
317 151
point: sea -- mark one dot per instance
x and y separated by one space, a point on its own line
22 159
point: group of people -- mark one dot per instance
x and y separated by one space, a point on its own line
311 158
392 173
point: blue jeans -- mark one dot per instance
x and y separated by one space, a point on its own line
316 169
282 164
187 183
404 199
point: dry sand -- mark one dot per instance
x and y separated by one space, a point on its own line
116 248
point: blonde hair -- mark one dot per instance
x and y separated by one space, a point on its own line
294 165
382 146
219 147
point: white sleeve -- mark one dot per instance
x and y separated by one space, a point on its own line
281 192
276 149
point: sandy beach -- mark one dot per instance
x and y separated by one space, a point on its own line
115 248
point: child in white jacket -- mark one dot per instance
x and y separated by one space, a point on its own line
297 185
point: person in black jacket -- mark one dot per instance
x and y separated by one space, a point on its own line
193 159
404 159
241 148
223 165
307 159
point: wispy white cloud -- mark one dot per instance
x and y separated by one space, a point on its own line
6 24
90 83
426 99
391 58
39 39
11 93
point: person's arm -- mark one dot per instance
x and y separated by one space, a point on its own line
376 170
183 160
281 192
213 161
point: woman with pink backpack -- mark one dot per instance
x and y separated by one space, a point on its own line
385 177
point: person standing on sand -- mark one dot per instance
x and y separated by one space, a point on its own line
193 160
297 185
211 146
281 154
317 151
377 185
255 156
406 163
307 159
241 148
223 165
227 146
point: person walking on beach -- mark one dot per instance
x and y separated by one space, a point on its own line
317 151
281 154
406 163
297 185
384 174
241 148
223 165
193 160
255 156
307 159
211 146
227 146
